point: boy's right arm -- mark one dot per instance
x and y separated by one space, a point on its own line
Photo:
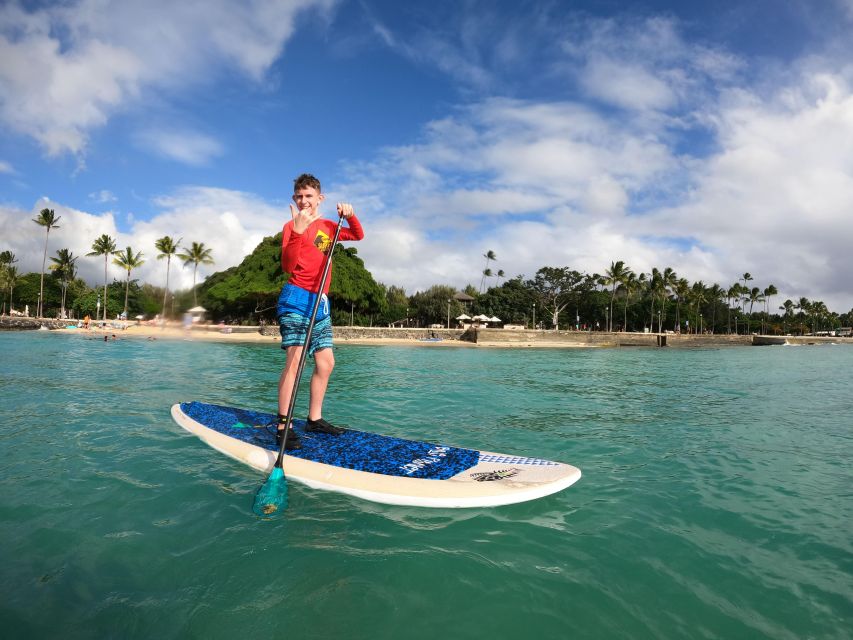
290 241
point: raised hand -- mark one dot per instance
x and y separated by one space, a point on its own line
345 209
302 218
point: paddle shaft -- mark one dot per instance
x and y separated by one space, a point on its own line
303 356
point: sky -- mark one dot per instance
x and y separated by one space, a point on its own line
715 138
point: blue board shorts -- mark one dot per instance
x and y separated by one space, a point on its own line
293 299
294 326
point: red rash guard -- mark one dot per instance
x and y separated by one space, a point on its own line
304 255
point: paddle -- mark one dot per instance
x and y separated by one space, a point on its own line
272 496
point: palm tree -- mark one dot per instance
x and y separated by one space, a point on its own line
197 254
715 295
754 295
732 294
489 256
654 286
6 260
616 274
681 291
104 246
788 308
820 315
669 279
47 218
698 296
659 284
63 266
746 277
128 261
167 248
805 308
10 277
631 284
769 292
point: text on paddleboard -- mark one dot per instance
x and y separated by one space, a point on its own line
433 455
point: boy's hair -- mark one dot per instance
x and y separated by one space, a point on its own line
306 180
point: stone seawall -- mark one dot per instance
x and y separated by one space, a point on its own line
504 337
17 323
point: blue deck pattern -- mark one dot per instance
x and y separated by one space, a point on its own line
360 450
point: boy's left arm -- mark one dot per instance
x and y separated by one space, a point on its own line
353 230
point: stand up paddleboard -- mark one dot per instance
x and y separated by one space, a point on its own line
376 467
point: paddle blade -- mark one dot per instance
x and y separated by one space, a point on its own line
272 496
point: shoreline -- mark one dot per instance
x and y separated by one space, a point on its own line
486 338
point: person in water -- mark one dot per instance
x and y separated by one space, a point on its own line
305 243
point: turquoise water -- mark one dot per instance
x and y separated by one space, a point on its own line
715 502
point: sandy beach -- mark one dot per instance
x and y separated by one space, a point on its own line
212 333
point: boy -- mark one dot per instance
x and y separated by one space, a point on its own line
305 242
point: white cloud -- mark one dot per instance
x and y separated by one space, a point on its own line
230 223
187 147
626 85
103 196
773 199
66 69
6 167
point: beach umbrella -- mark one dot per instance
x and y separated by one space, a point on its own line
463 317
482 317
494 319
140 317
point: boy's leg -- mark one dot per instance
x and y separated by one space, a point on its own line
324 363
285 390
288 376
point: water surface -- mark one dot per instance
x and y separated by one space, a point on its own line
715 501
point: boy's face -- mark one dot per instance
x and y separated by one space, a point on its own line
307 198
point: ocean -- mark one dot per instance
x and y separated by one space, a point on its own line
716 498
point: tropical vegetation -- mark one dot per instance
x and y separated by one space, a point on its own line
619 299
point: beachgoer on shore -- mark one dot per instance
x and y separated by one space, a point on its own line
305 242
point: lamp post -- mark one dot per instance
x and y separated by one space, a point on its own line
39 313
534 316
448 313
660 329
352 314
407 316
98 309
700 323
606 318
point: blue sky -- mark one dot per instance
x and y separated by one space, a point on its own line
714 138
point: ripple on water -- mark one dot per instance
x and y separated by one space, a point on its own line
714 500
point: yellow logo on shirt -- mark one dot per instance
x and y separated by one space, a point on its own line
322 241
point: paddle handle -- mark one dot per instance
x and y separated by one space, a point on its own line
303 356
